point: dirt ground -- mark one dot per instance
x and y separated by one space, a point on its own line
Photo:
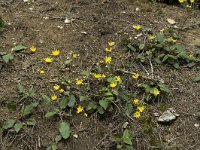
95 22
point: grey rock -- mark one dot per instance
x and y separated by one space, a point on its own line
167 117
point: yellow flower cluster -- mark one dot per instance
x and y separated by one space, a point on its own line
140 108
99 76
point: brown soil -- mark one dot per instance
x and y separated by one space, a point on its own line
102 21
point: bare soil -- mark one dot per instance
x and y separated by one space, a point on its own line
95 23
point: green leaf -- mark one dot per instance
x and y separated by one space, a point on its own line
7 57
180 48
91 106
141 46
12 106
64 130
46 98
63 102
127 137
84 98
163 87
104 103
131 48
50 114
176 65
72 101
8 124
20 88
58 138
67 62
54 147
29 108
129 107
31 91
85 73
18 127
19 48
31 122
100 110
197 78
160 38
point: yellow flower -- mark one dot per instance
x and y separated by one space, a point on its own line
48 60
61 90
137 27
136 101
137 114
181 1
79 82
33 49
108 49
74 56
188 6
152 37
54 97
118 79
192 1
56 87
113 84
108 60
135 75
156 92
79 109
103 75
171 40
111 43
69 81
140 108
190 55
41 71
97 76
55 52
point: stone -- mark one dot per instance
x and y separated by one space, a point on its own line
167 117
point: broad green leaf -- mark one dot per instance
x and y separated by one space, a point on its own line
64 130
46 98
180 48
18 127
50 114
20 88
29 108
63 102
129 107
54 147
8 123
31 91
127 137
84 98
85 73
91 106
160 38
67 62
131 48
176 65
100 110
31 122
104 103
72 101
7 57
163 87
197 78
19 48
58 138
141 46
